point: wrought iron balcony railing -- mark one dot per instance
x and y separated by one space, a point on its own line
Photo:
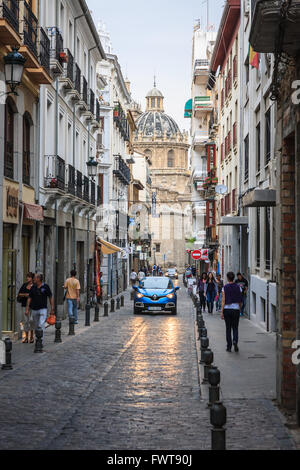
44 50
86 189
30 30
84 90
55 172
71 188
9 9
93 193
79 184
121 170
97 111
92 102
56 44
70 66
77 78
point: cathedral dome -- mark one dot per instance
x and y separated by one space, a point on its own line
154 92
156 121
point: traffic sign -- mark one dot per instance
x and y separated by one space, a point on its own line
196 254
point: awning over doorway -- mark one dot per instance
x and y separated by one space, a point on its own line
108 248
234 220
260 198
33 212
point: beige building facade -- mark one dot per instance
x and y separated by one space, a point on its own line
159 137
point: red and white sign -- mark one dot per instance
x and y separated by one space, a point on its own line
200 255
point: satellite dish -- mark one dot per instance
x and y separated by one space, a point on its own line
221 189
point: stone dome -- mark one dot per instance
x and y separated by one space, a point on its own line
154 92
158 121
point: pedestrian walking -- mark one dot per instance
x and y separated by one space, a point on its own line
242 282
101 287
194 271
133 277
220 285
72 286
37 301
141 275
210 292
154 270
201 286
27 320
231 306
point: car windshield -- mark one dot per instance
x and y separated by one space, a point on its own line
172 271
156 283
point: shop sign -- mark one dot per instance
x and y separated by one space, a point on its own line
10 202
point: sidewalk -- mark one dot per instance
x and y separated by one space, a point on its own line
248 386
24 353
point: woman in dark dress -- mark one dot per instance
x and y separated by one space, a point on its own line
211 291
27 319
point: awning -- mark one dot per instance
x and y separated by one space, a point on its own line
188 109
33 212
260 198
108 248
234 220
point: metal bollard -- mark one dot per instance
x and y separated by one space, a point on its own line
97 310
122 300
112 305
201 323
88 315
214 378
208 357
118 303
39 340
72 326
105 309
132 295
58 332
204 341
8 349
202 332
218 417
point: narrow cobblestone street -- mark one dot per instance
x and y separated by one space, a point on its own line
130 382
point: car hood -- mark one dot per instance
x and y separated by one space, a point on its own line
159 292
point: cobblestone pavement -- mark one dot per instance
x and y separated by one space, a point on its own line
127 382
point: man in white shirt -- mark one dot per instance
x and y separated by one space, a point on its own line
141 275
133 277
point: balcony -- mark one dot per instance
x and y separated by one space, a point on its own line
9 23
86 189
55 177
200 138
121 170
93 193
30 29
77 82
121 122
92 102
202 103
79 184
57 56
267 21
84 90
71 187
201 70
211 235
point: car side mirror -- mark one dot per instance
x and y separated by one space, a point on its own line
134 287
177 288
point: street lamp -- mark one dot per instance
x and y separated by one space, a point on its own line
92 166
14 67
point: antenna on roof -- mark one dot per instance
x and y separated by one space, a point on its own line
154 81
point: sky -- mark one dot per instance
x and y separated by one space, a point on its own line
155 37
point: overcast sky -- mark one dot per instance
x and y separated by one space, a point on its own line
156 37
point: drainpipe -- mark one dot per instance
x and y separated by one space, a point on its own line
56 153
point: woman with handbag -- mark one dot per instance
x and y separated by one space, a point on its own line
27 320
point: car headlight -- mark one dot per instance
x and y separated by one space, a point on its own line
170 296
139 296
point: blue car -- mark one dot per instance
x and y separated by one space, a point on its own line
155 294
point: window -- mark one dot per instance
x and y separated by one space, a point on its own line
171 159
26 149
268 137
152 102
246 147
258 148
258 237
157 247
268 237
9 141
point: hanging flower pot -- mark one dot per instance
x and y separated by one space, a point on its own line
53 183
63 57
214 180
